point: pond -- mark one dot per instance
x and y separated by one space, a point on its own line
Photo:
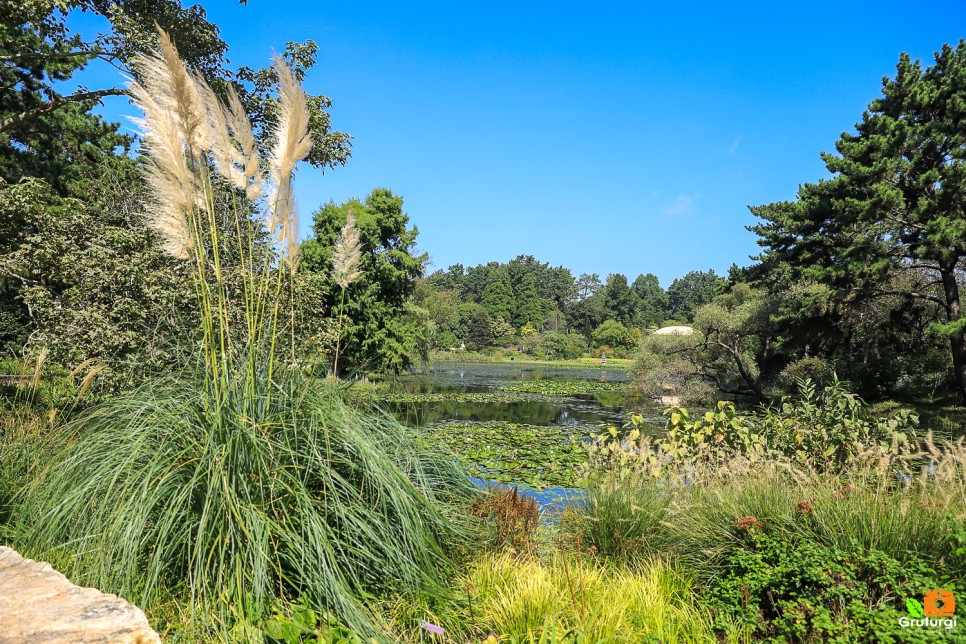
516 393
518 423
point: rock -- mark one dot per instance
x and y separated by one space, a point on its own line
38 604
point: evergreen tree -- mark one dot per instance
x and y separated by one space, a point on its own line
652 301
686 294
620 299
530 306
497 297
896 203
378 325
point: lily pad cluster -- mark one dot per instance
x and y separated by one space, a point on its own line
563 387
534 455
465 397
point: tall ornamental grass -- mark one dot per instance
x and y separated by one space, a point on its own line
240 486
163 492
697 492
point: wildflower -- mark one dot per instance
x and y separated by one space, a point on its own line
804 507
747 523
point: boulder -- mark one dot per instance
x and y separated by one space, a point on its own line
38 604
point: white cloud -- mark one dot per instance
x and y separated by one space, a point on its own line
680 205
736 143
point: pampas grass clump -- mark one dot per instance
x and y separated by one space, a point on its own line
163 492
240 486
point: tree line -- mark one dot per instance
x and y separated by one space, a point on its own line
858 276
530 303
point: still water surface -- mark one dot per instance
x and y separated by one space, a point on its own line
449 384
571 409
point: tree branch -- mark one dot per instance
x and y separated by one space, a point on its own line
50 106
920 296
34 55
742 372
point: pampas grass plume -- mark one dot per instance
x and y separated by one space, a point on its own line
347 254
174 113
292 144
183 118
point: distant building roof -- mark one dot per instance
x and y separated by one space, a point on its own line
675 330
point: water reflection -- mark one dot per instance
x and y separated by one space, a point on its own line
528 412
587 409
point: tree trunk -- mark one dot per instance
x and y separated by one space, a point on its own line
754 385
953 314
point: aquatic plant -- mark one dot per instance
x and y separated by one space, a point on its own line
516 453
563 387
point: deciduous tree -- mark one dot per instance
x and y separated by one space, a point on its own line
378 325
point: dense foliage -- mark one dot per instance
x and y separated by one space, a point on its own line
382 333
547 313
810 522
80 272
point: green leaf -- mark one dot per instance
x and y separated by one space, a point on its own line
914 606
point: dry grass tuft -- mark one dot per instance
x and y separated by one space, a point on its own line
39 368
88 380
513 515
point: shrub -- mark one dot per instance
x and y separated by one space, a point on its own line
827 428
824 429
557 346
816 369
780 590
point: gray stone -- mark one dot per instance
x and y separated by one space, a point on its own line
38 604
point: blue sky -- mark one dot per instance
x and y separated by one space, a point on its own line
606 137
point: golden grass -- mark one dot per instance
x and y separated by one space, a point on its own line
575 596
